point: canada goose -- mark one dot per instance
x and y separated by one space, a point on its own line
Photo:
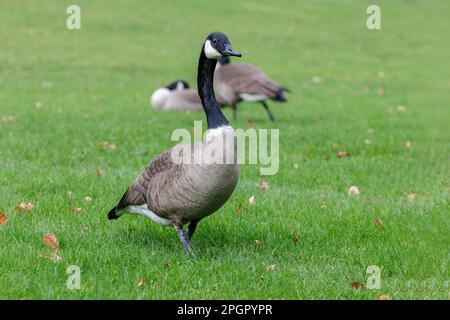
235 82
175 193
178 96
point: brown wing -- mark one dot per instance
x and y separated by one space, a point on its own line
135 195
188 95
245 78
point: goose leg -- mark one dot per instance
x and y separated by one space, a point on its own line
234 107
192 227
271 117
184 238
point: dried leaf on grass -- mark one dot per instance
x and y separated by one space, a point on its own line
140 283
263 185
3 219
342 154
108 145
358 285
353 191
378 222
271 267
25 206
50 240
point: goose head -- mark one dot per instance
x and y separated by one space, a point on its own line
217 46
178 85
160 96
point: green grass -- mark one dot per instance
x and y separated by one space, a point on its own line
102 76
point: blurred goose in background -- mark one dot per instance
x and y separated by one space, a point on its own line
178 96
236 82
174 193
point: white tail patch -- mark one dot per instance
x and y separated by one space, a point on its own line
144 211
252 97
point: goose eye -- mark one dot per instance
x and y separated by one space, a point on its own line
214 40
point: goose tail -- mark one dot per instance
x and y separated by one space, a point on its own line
113 214
280 95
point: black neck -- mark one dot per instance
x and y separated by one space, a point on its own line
205 76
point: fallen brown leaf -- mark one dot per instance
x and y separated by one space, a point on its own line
87 199
270 267
50 240
323 206
342 154
25 206
239 208
384 297
252 200
3 219
70 194
378 222
98 172
358 285
407 144
353 191
263 185
411 196
77 210
108 145
250 122
168 265
140 283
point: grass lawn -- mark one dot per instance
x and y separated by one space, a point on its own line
381 95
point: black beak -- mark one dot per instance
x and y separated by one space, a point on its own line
229 51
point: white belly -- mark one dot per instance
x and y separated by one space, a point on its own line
252 97
145 211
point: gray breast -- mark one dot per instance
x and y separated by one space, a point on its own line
191 191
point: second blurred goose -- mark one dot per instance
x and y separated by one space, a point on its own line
178 96
236 82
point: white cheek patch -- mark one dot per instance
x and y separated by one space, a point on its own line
210 51
180 86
